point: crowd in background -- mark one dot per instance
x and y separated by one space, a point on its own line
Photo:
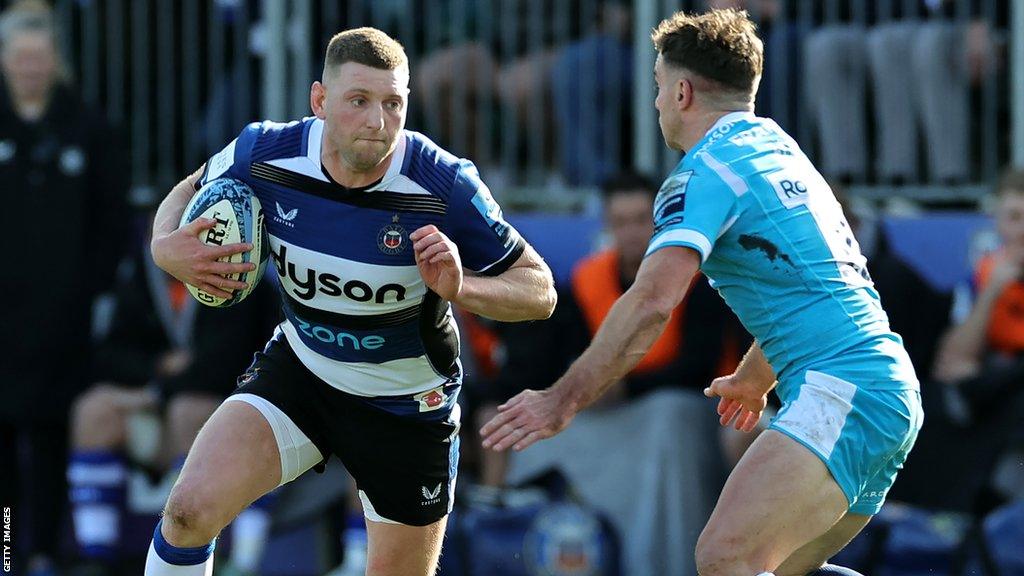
103 351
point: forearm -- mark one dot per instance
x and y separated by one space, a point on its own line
632 326
168 215
965 343
519 293
754 368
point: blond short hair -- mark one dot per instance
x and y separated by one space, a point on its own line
368 46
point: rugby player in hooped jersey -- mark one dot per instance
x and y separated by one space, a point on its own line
372 229
746 206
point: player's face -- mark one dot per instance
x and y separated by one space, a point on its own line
628 215
29 64
364 109
1010 219
667 81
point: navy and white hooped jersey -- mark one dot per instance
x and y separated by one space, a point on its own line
358 314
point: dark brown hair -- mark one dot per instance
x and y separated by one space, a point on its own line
1012 181
719 45
367 46
628 182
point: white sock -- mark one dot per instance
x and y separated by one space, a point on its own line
165 559
96 479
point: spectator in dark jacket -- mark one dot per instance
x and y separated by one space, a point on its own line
63 181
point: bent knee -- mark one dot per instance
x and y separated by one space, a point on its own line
191 519
722 554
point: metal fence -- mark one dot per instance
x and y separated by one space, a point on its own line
892 97
552 96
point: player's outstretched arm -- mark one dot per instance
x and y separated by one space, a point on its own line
627 333
181 254
526 291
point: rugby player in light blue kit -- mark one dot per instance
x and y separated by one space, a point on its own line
748 208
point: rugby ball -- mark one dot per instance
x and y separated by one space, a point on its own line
239 218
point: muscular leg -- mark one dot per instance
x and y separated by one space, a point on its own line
779 498
233 461
815 553
400 550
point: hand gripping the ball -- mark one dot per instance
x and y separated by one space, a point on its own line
182 255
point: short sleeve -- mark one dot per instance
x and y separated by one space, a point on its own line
487 243
692 209
233 161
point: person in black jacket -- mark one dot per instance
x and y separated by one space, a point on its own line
63 181
163 353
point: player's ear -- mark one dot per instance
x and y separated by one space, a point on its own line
317 95
684 93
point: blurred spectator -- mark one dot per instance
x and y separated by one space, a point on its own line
63 176
975 404
591 84
558 72
783 36
167 356
923 65
459 80
983 355
703 339
835 84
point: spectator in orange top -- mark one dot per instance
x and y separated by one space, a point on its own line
978 416
983 354
703 339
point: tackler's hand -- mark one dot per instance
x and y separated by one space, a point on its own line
527 418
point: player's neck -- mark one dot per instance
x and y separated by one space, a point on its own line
348 176
702 124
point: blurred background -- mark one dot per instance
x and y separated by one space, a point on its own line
913 109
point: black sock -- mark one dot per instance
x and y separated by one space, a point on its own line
833 570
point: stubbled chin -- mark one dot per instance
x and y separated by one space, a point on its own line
366 159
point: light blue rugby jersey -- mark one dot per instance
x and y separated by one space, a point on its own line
775 244
357 312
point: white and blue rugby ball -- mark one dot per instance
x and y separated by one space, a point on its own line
239 218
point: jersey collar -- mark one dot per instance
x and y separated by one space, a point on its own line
314 142
730 118
397 159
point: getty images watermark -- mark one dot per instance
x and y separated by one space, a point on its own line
7 539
